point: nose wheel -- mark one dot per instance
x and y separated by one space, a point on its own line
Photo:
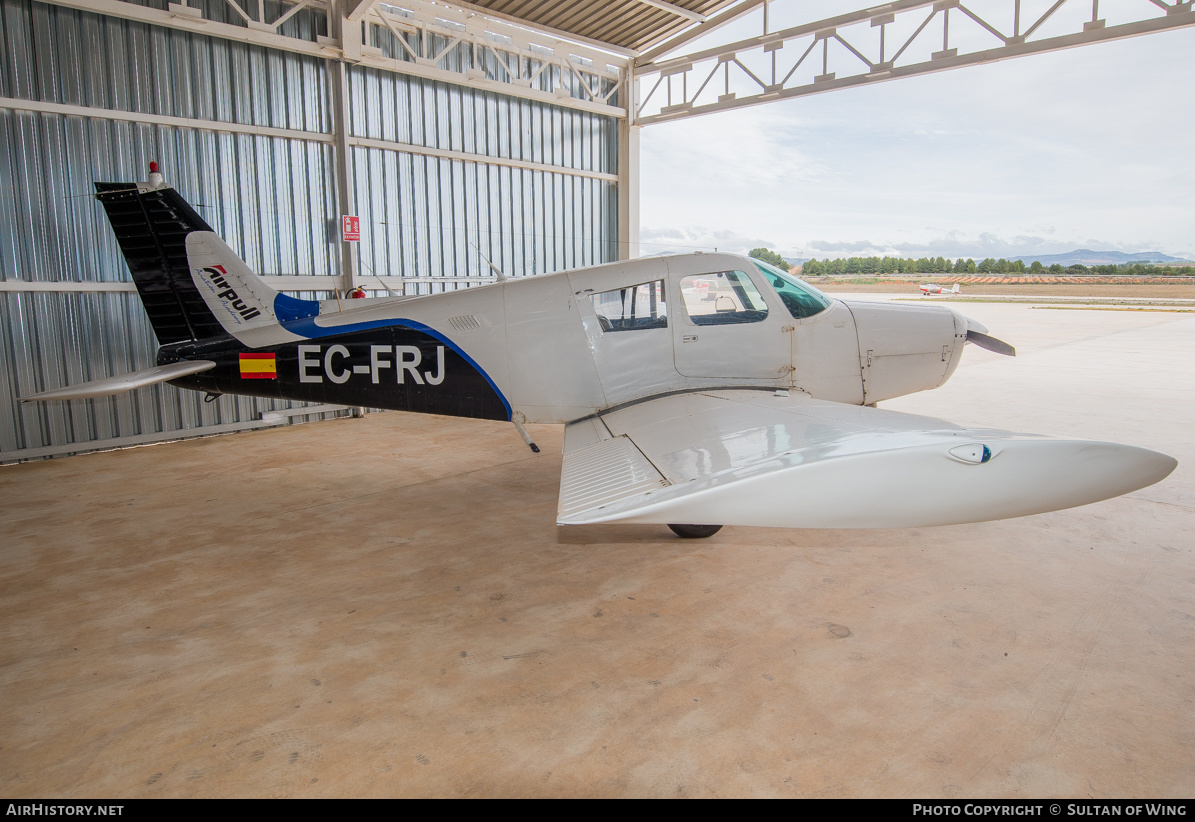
695 531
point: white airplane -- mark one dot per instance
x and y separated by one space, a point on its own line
697 390
927 289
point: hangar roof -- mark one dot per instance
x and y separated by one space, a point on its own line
629 25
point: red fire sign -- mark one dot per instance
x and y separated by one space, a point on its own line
351 226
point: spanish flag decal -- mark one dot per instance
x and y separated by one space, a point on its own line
258 367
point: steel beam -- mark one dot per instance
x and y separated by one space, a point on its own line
672 8
511 45
179 16
347 17
628 190
563 36
73 110
355 10
345 198
468 157
499 86
707 27
703 80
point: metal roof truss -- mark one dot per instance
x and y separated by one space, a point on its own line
411 37
904 38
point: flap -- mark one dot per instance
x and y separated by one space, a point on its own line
600 469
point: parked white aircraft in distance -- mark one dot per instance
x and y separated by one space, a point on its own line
929 288
697 388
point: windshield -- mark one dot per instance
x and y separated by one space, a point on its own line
801 299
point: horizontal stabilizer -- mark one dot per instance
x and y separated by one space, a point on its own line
124 382
756 458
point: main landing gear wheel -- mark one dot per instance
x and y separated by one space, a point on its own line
695 531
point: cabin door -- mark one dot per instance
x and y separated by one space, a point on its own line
725 329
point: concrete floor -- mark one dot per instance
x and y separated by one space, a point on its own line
384 607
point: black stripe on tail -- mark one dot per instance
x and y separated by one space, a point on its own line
152 229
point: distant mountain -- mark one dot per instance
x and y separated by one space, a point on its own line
1085 256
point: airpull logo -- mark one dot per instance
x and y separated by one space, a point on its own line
217 274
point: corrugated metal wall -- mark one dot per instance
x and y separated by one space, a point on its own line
430 215
272 197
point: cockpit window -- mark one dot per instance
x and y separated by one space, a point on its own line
801 299
721 298
633 308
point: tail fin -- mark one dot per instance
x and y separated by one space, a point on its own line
192 284
152 227
956 289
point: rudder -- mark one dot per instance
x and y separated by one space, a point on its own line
151 226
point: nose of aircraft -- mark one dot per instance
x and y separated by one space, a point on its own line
906 348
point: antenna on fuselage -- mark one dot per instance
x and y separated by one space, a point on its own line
389 290
497 271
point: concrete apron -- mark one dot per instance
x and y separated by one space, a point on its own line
384 607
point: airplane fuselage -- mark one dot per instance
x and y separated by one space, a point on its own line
558 347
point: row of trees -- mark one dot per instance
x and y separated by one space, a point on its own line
907 265
964 265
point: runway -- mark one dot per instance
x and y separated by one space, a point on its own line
385 607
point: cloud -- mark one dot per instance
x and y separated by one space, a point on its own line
952 244
696 238
1037 155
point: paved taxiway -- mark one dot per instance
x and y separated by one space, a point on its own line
384 607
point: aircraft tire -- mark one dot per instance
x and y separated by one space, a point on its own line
694 531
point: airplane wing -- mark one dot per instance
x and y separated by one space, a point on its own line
781 459
123 382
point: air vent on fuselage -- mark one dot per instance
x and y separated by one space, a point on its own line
468 322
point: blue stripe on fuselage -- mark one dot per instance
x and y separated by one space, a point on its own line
306 327
287 309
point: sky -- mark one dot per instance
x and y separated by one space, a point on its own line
1093 147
